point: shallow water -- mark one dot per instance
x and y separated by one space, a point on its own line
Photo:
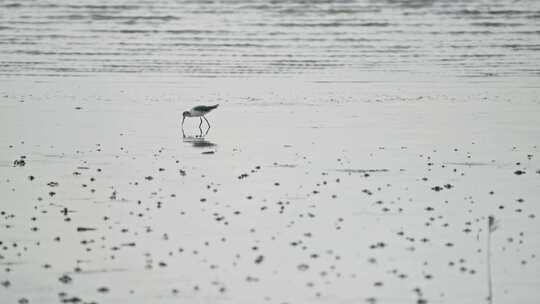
336 40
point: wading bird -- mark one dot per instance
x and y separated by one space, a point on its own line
198 111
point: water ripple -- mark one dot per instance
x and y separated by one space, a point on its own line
253 38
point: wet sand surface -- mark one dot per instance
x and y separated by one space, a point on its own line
373 197
362 152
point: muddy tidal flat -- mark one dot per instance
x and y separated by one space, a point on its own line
362 152
295 199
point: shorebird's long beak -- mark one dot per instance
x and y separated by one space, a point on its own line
183 118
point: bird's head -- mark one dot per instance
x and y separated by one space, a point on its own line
184 115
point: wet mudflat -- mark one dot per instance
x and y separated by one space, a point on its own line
331 197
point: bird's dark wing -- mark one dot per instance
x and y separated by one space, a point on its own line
205 108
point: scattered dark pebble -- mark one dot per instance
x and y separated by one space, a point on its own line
19 162
65 279
259 259
83 229
71 300
103 290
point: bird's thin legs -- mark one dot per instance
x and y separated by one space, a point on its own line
206 122
200 126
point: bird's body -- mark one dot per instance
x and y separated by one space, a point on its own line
199 111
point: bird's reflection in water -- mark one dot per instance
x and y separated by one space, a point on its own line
198 141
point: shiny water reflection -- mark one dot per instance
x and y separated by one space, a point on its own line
198 141
252 38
